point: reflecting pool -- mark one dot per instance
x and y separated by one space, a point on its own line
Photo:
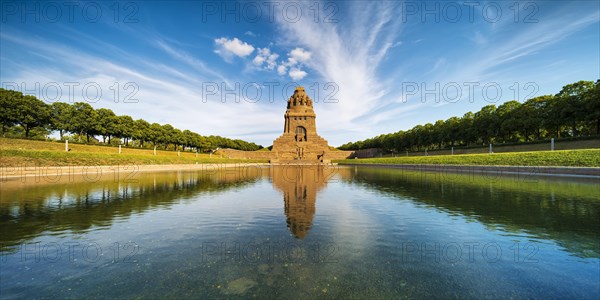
300 232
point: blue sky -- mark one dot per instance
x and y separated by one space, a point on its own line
372 67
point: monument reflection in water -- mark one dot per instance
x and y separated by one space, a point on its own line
337 232
300 185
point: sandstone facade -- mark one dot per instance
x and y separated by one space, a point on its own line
299 143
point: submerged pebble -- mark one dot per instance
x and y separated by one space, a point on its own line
239 286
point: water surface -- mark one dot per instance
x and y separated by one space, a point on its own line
335 232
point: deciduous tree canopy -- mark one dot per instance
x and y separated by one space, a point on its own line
573 112
24 113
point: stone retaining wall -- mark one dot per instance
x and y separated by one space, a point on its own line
239 154
269 155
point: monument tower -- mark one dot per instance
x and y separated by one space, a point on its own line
300 141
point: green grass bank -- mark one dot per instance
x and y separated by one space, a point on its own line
18 152
565 158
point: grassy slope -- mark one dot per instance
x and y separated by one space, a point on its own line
16 152
575 158
542 146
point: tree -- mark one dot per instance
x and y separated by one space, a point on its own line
468 131
191 139
141 131
8 108
178 138
204 144
486 123
508 121
32 113
571 104
440 134
60 117
552 116
84 119
155 134
575 110
592 106
531 116
124 128
452 130
81 118
106 125
168 136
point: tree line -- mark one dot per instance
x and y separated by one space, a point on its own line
573 112
26 116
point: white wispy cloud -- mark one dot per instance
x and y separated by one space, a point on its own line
353 52
295 62
297 74
358 54
349 55
299 55
162 97
494 60
281 69
264 56
541 35
227 47
190 60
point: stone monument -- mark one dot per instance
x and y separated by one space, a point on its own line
300 142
